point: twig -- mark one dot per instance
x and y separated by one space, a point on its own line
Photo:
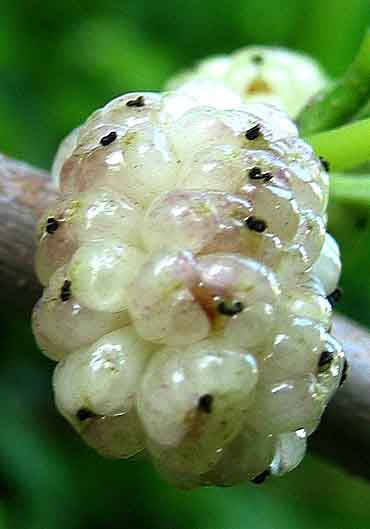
24 193
339 102
350 189
346 147
364 112
344 435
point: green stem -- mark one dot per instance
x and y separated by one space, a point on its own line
350 189
336 104
364 112
346 147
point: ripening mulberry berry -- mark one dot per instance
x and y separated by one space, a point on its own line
257 73
187 268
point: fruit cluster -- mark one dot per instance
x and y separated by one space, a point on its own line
188 279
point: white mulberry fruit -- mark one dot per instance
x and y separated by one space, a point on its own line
272 75
186 269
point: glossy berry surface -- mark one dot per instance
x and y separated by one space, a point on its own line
186 268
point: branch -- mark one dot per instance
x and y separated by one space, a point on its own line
24 193
350 189
364 112
346 147
339 102
344 435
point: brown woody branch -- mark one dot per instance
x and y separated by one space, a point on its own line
24 193
344 435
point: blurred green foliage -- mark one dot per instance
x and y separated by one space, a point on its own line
58 62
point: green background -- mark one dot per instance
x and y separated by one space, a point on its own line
58 62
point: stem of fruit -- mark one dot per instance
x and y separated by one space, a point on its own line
364 112
344 148
351 189
338 103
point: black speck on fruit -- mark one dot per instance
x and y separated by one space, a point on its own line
324 163
253 133
255 173
344 372
257 58
267 176
256 224
138 102
261 478
335 296
52 225
205 403
227 308
84 413
325 360
108 139
65 291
